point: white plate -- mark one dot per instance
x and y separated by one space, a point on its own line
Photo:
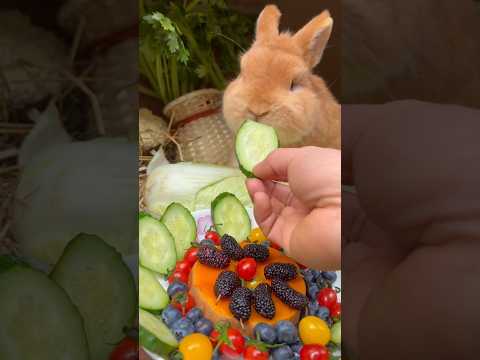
204 222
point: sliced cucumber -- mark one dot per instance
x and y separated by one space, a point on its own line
38 319
154 335
102 287
151 295
233 184
7 262
253 143
156 245
181 225
337 333
230 217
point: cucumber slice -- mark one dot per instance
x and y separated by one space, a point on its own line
151 294
38 319
337 333
156 245
154 335
102 287
230 217
253 143
234 185
7 262
181 225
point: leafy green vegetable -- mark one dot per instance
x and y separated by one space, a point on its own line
8 261
189 44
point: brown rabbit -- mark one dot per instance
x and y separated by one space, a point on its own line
276 85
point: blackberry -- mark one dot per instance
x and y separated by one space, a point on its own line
258 252
282 271
230 247
289 296
240 303
210 256
226 283
262 301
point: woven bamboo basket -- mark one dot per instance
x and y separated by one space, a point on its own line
199 127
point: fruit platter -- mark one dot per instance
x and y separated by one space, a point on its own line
225 296
213 286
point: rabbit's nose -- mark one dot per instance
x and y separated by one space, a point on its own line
257 113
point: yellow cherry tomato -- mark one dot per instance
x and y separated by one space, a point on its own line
257 280
196 346
256 235
314 330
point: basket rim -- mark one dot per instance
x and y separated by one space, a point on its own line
167 109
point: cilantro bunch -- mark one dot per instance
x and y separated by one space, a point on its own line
189 44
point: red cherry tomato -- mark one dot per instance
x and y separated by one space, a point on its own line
247 268
183 265
314 352
191 256
253 353
127 349
214 335
336 311
178 275
214 236
183 301
238 344
327 297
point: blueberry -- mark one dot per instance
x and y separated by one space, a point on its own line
296 356
170 315
331 276
176 287
282 353
266 333
216 355
286 332
316 274
194 314
329 321
309 276
206 242
321 282
323 313
313 291
296 347
313 307
266 243
182 328
204 326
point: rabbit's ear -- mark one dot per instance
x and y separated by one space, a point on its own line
267 23
314 36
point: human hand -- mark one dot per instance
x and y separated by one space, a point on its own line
410 260
302 216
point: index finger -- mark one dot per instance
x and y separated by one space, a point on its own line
275 166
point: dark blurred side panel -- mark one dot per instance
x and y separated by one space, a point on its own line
68 177
410 209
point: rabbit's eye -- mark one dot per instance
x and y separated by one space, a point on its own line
294 85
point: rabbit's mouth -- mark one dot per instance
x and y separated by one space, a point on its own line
284 123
